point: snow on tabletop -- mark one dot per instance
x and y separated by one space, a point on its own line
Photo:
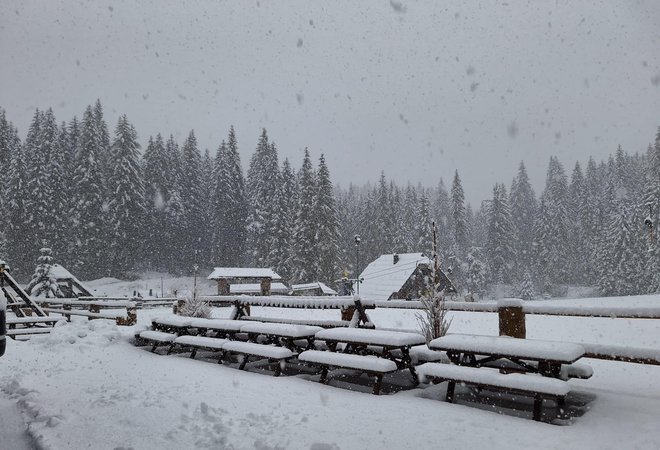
382 277
510 303
201 341
217 324
243 272
484 375
369 336
173 321
421 353
266 351
280 329
369 362
625 351
507 346
157 336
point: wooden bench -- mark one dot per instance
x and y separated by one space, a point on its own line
172 324
282 334
201 343
371 365
538 386
157 338
226 328
567 371
274 354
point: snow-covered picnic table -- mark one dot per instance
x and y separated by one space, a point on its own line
392 345
475 350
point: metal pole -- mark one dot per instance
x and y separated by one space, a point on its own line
357 261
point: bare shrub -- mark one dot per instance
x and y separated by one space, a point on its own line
195 307
432 320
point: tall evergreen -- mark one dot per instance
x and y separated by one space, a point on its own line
190 183
127 205
90 210
229 210
523 213
305 256
262 181
327 226
287 202
499 244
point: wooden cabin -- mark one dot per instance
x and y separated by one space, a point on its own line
247 280
400 276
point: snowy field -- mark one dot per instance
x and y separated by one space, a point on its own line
87 386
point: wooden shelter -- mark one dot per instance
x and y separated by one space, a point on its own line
69 285
227 276
317 288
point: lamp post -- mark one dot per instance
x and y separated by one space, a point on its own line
357 261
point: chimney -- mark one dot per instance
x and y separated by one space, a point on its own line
396 258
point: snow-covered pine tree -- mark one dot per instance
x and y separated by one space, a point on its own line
524 207
206 226
327 226
441 212
305 262
286 201
262 180
103 142
423 223
540 245
89 207
459 220
190 183
477 272
526 289
43 283
126 204
577 247
157 193
592 220
409 220
499 245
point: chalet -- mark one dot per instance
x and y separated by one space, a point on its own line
316 288
399 276
247 280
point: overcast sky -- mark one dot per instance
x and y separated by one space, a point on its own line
417 89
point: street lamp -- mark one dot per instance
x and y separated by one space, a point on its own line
357 260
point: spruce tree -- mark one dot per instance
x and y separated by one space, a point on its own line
327 226
190 183
43 282
90 209
499 246
523 213
286 201
305 256
126 203
157 195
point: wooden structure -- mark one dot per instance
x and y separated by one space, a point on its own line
401 276
28 318
316 288
69 285
226 276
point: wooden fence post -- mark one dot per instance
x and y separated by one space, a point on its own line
512 318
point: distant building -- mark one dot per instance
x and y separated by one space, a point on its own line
316 288
247 280
399 276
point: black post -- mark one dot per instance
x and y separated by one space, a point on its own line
357 261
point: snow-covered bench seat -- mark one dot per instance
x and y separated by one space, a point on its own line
24 333
567 371
538 386
200 342
269 352
221 327
156 338
13 321
369 364
171 323
312 322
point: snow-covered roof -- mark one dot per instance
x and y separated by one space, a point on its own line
317 285
255 288
243 272
60 273
382 277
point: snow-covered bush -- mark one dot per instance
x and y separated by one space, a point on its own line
195 307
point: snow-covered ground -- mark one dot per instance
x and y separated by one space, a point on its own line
86 386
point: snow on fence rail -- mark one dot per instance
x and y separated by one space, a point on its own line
123 312
140 302
618 312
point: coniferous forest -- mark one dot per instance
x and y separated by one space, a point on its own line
108 206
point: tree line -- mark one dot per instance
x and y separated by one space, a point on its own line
109 208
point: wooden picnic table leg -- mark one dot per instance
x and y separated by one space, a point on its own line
193 353
406 360
451 385
278 368
377 384
538 407
244 361
324 375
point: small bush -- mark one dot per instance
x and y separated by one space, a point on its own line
195 307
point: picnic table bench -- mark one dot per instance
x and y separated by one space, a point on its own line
226 328
537 365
